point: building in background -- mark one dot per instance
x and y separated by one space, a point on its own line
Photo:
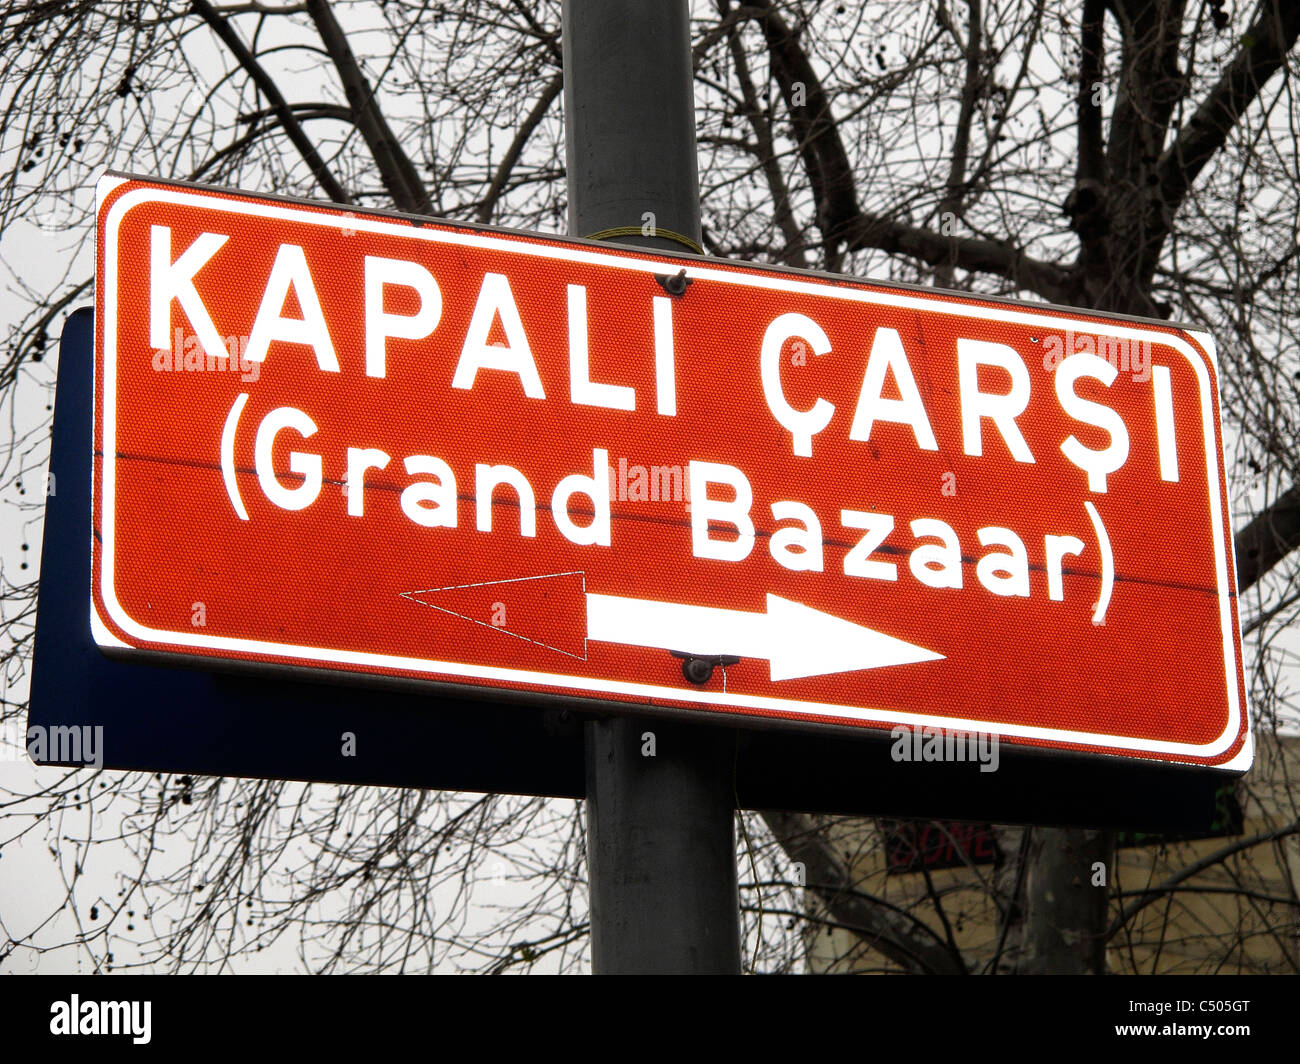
1221 904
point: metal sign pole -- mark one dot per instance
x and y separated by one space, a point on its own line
660 800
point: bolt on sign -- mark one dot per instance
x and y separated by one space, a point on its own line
538 467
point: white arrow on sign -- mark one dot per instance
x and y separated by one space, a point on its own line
797 640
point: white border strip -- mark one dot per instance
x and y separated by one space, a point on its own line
821 288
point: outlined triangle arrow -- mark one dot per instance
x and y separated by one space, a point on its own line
524 608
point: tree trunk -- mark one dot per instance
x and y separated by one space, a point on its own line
1067 891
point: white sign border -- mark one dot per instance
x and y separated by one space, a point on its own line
518 246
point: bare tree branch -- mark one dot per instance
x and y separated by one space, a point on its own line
1269 537
1054 283
900 937
507 164
950 207
1087 205
761 126
1263 50
834 185
1195 868
395 168
268 88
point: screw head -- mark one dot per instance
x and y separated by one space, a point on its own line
697 670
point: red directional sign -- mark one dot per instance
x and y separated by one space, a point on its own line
354 442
